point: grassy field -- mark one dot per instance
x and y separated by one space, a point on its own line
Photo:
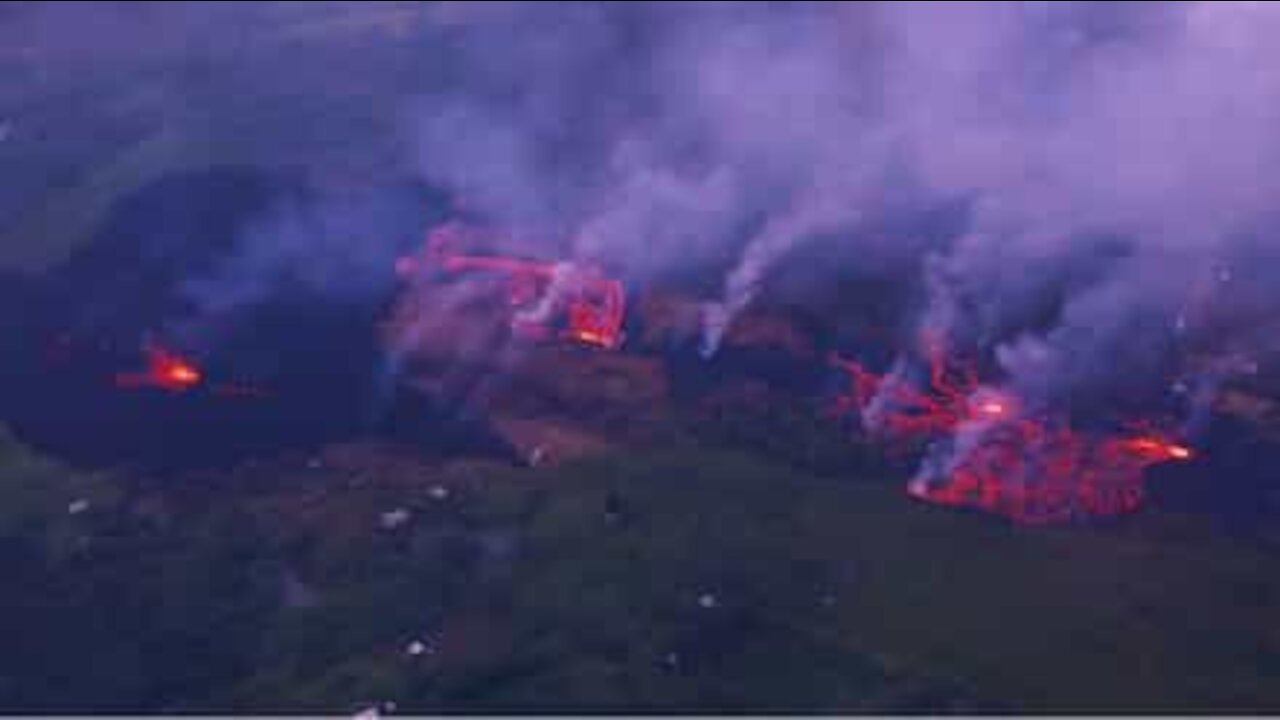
714 581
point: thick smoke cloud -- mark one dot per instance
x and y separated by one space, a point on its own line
1157 133
1116 161
1112 155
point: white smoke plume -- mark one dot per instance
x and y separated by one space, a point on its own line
1106 155
717 126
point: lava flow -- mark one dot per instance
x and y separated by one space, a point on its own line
895 409
1032 471
171 372
982 450
549 299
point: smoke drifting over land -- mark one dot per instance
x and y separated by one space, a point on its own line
1116 162
1111 155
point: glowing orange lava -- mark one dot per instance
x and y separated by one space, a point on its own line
1158 449
982 451
181 374
592 306
165 370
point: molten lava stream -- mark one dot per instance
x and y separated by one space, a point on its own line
1027 469
595 304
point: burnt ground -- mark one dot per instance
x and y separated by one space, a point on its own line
575 531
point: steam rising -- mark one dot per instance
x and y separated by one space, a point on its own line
1112 159
1137 141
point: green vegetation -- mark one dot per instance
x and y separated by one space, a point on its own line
718 581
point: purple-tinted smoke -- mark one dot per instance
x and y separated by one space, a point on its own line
1136 139
1118 162
1113 158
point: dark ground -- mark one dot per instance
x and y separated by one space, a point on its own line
680 578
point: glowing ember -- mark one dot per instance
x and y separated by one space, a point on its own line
1158 449
166 370
992 408
181 374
